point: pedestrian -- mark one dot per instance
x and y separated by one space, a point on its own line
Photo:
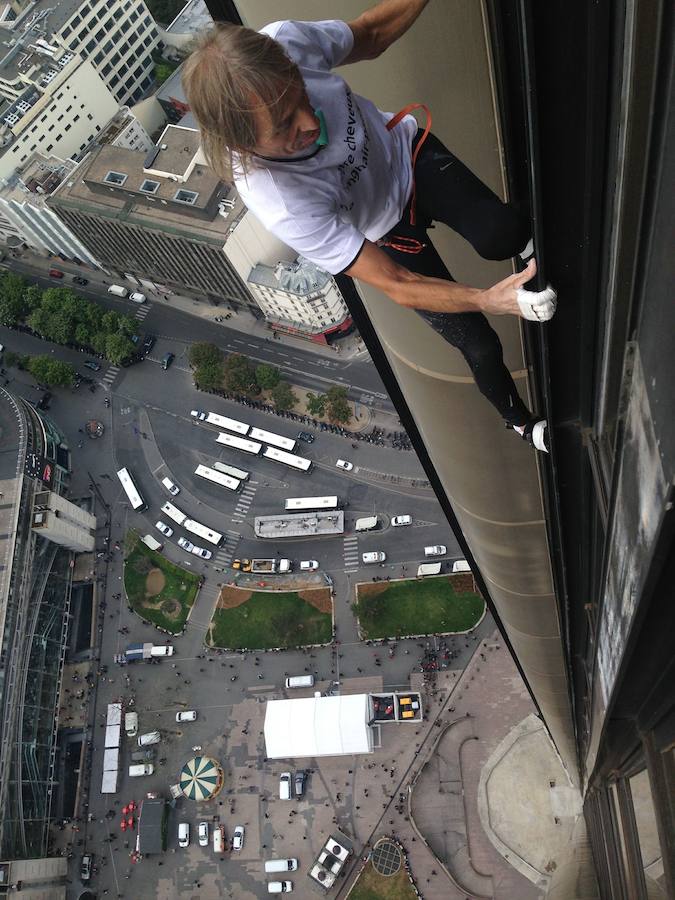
381 232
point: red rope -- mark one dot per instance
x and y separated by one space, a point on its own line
392 123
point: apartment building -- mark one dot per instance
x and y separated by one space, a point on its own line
300 298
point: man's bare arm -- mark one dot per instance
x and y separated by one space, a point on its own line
378 28
436 294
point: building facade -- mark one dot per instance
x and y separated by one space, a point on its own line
35 588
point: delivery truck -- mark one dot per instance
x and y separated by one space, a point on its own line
136 652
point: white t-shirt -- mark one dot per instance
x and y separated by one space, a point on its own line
356 186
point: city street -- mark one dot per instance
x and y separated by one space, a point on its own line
149 429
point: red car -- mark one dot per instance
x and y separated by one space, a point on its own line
55 273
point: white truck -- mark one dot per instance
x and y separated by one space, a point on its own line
118 291
270 566
147 651
152 543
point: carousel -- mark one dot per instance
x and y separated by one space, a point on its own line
201 778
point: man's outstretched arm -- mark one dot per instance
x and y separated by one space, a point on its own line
378 28
416 291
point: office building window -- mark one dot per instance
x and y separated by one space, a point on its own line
184 196
117 178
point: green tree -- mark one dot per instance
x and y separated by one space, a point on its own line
209 376
32 298
98 341
283 396
127 325
83 334
110 321
316 404
339 409
52 372
11 359
203 353
118 347
267 377
13 307
239 374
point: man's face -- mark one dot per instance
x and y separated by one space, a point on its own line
291 128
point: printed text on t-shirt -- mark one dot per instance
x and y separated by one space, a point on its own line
357 148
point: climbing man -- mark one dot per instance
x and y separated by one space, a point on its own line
354 189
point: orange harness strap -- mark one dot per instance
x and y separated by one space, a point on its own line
398 242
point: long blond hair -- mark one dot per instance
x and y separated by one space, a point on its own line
232 72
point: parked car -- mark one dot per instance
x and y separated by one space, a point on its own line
186 715
92 364
167 359
166 530
202 552
85 867
185 544
203 834
306 436
285 786
148 343
401 520
78 279
137 297
183 834
308 565
343 464
299 782
199 414
85 379
375 556
55 273
238 837
279 887
142 755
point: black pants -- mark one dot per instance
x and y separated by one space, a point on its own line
448 192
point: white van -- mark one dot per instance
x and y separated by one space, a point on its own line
375 556
366 524
150 737
137 297
172 488
141 769
218 838
300 681
461 565
285 786
281 865
118 290
152 542
183 834
279 887
436 550
131 724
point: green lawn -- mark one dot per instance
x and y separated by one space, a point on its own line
170 607
431 606
270 619
371 886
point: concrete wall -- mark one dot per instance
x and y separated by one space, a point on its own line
490 476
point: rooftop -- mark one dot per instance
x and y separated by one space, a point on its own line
192 19
300 277
300 524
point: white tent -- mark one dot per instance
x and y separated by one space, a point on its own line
318 726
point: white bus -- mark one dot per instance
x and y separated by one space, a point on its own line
130 489
214 537
226 481
174 513
231 470
276 440
227 424
288 459
311 503
237 443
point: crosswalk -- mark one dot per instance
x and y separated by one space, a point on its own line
351 553
142 311
245 500
225 554
110 376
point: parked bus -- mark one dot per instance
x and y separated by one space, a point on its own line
311 503
226 481
227 423
174 513
231 470
130 489
214 537
276 440
237 443
288 459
